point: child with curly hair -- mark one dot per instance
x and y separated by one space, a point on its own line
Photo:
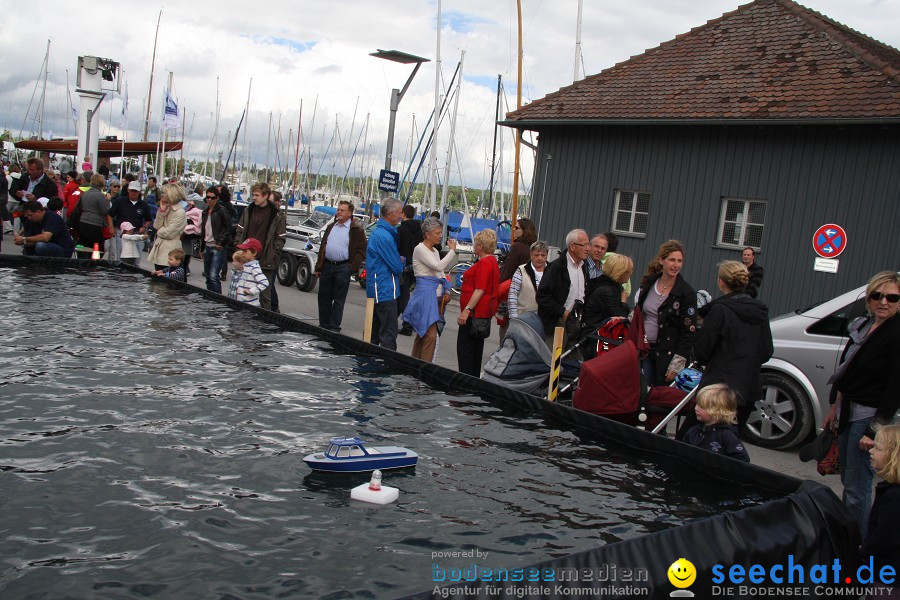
717 431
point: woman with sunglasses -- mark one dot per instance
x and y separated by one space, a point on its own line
864 390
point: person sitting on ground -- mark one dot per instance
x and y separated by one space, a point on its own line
174 270
716 409
882 541
44 232
238 260
251 280
132 243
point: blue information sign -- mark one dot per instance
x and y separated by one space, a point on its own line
388 181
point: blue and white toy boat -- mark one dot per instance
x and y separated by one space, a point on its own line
350 455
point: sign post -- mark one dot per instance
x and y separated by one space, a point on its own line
829 241
388 181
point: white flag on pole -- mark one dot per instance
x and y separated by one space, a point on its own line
123 117
170 115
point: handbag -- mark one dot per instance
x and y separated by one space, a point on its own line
824 450
107 232
480 328
830 464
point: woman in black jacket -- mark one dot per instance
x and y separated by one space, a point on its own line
735 339
606 301
864 389
669 307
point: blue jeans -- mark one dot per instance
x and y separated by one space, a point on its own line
334 282
48 249
213 260
856 473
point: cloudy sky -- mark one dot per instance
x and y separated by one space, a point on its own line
317 52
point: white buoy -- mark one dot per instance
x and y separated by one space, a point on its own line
374 492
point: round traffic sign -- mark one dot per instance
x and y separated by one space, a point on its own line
829 240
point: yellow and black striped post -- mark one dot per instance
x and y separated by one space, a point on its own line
556 364
370 316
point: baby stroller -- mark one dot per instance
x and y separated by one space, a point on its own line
610 385
522 361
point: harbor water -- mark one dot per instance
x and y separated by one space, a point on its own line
151 445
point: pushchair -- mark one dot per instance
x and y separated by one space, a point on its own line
522 360
610 385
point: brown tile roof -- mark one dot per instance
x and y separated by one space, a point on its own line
770 59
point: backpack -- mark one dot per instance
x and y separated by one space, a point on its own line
74 218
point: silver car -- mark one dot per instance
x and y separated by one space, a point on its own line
808 347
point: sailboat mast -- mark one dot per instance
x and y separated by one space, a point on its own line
44 92
297 152
432 175
494 147
246 127
577 74
268 144
515 191
312 130
446 187
150 91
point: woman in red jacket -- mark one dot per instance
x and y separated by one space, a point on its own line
477 300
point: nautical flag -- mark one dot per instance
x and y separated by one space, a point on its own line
170 116
123 118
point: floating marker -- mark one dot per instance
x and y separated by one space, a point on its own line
374 492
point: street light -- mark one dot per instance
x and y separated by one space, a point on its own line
397 95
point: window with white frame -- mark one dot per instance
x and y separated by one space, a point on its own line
741 223
632 212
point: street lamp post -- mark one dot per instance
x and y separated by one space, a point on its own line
397 95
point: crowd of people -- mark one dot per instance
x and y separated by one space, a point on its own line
587 287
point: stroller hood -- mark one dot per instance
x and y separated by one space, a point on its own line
522 352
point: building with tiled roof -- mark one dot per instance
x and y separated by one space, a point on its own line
754 129
766 61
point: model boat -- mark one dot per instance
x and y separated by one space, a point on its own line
351 455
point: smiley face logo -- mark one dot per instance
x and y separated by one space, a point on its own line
682 573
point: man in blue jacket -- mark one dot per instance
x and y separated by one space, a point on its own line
384 265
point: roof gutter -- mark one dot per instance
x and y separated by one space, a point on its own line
538 124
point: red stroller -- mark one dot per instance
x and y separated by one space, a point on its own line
610 386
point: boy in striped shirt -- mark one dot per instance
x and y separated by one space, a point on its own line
251 281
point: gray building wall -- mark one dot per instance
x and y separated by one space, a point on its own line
809 176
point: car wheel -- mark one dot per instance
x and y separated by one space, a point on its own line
783 418
306 279
287 269
361 276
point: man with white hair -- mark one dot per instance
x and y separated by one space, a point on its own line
384 265
560 295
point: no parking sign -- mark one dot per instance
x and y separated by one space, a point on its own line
829 240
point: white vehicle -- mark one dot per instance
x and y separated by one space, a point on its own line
301 248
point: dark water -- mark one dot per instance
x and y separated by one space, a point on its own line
151 445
